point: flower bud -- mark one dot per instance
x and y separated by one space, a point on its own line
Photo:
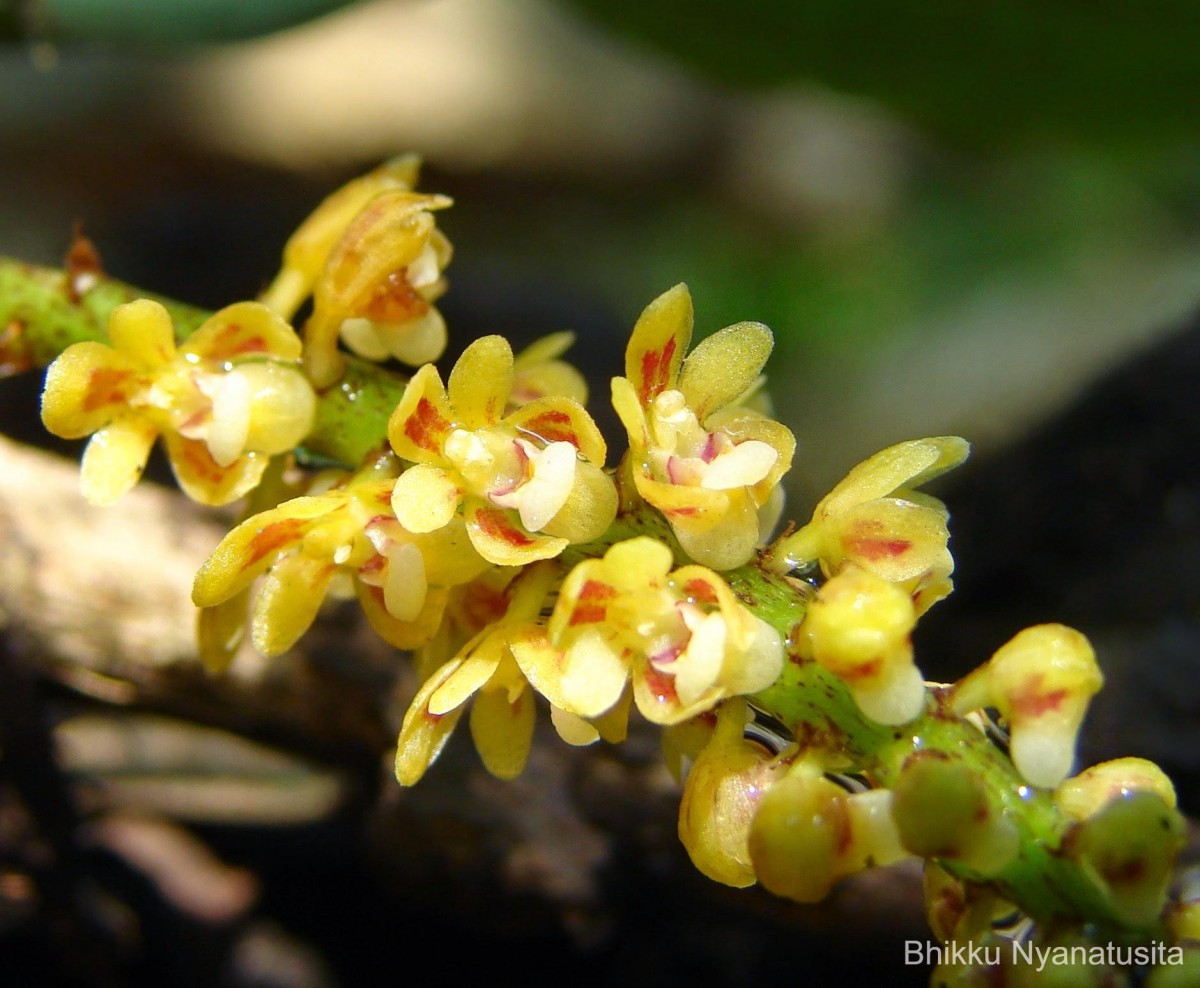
1041 682
859 628
720 798
1129 849
809 832
942 810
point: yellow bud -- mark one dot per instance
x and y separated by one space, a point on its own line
798 835
859 628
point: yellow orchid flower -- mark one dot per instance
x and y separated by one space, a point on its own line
484 674
681 637
224 402
401 578
527 483
711 465
877 520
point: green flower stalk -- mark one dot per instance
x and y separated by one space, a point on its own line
477 523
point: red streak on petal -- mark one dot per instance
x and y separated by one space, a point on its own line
426 426
394 300
482 605
553 426
202 465
863 670
271 538
497 526
656 369
106 386
685 512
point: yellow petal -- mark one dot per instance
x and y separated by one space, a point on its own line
425 498
894 539
503 731
220 631
288 602
573 729
594 673
203 479
465 681
659 340
421 423
907 464
115 458
632 414
244 331
142 331
423 735
407 635
87 386
540 663
246 551
590 508
723 366
480 382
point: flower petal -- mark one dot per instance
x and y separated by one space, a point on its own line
246 551
425 498
115 458
659 340
142 330
499 540
480 382
288 602
907 464
594 673
206 481
724 366
422 421
503 731
894 539
87 386
423 735
244 330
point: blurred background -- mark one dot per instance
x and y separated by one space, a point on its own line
955 219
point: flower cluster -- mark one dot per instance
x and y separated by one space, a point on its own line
486 535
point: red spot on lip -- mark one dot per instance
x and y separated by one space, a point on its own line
106 386
230 343
271 538
656 369
426 426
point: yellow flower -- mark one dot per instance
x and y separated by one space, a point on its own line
711 465
682 637
224 402
527 483
876 520
485 675
401 579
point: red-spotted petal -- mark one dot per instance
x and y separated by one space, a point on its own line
206 481
244 331
422 421
87 386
